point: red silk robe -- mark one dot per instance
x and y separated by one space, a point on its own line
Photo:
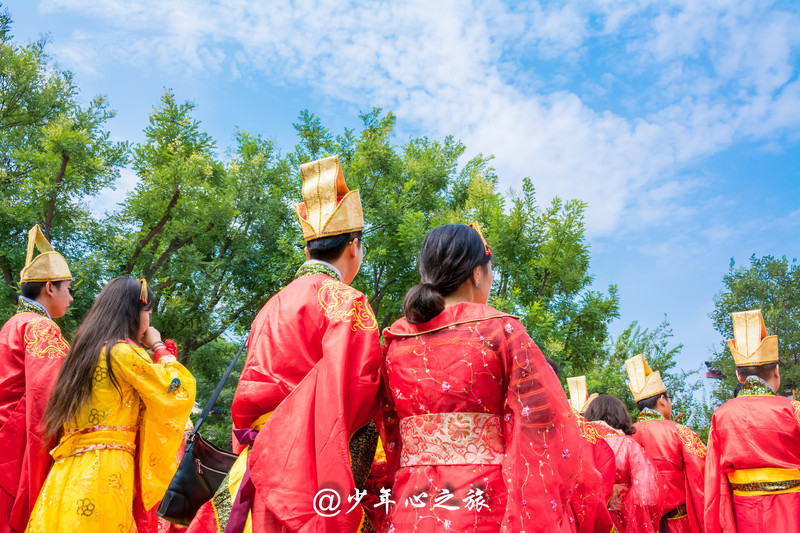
634 504
32 351
313 361
602 455
478 432
754 432
679 455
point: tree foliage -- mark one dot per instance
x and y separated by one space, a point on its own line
769 284
55 153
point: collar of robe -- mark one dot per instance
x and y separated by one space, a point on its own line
755 386
315 266
650 414
26 305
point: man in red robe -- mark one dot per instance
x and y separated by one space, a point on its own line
676 451
308 391
753 464
31 353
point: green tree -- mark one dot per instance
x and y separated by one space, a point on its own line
769 284
54 154
215 240
609 375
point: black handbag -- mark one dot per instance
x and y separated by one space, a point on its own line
202 469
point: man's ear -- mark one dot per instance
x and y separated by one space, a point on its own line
49 289
741 380
305 251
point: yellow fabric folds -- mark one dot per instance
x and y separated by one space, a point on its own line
752 478
116 435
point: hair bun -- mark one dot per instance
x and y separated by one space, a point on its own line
422 303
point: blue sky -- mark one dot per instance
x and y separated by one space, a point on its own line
678 122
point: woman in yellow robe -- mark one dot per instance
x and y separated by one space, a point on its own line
121 416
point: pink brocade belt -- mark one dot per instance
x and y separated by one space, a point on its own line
451 439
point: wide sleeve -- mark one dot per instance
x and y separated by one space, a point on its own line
166 392
304 446
694 461
642 500
718 511
550 479
25 444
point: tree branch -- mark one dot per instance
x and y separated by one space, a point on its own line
51 208
158 228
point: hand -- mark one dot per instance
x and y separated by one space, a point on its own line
150 337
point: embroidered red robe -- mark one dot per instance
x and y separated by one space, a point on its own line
753 466
32 351
313 362
478 432
679 455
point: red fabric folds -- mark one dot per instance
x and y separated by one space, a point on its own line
314 360
472 358
752 432
679 455
32 351
635 503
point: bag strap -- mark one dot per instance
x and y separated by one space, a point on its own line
213 399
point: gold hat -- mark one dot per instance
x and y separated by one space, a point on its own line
644 383
330 208
578 397
751 346
49 265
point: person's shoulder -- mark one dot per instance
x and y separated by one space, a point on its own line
127 349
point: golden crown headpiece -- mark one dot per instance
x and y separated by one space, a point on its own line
329 207
578 394
644 383
49 265
751 346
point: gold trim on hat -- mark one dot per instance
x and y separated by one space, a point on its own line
644 383
751 346
329 207
578 394
49 265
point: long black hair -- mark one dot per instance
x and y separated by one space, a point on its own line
114 317
448 258
612 411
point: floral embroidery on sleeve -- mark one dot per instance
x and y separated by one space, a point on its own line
43 340
344 304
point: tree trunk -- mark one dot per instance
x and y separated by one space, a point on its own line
51 208
153 232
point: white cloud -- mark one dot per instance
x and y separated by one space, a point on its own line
719 73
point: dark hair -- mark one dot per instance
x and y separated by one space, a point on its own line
762 371
331 248
554 366
650 403
113 318
33 289
448 258
612 411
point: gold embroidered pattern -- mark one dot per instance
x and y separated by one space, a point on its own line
588 431
796 406
692 442
343 304
766 486
43 339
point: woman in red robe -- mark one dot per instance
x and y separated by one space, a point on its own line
634 504
479 435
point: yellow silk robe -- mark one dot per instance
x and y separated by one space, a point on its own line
101 464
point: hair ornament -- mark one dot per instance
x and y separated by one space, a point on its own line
143 293
476 227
